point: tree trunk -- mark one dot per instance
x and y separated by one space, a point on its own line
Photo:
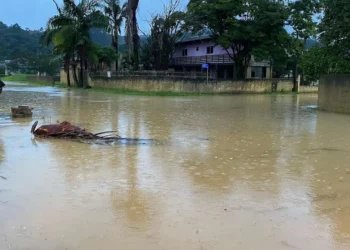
68 78
81 75
76 82
295 76
239 70
135 38
67 69
115 43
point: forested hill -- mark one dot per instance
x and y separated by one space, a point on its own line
16 42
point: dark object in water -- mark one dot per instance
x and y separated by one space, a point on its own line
2 84
68 131
21 111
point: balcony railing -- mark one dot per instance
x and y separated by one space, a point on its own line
211 59
197 60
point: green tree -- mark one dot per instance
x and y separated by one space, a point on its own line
301 19
70 31
335 26
332 56
146 57
105 56
63 51
45 63
20 65
116 14
240 26
166 28
321 60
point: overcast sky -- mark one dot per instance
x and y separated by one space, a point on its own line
33 14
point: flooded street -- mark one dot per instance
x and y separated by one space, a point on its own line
221 172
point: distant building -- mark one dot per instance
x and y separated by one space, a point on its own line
194 50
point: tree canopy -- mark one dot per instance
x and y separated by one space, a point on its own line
333 55
166 29
241 26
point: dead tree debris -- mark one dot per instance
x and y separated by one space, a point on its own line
68 131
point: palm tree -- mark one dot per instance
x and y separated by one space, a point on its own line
69 31
63 51
132 36
115 13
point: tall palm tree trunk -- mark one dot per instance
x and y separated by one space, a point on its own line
67 69
81 75
68 77
75 77
136 40
132 32
115 44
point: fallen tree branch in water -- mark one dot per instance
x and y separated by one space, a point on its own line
69 131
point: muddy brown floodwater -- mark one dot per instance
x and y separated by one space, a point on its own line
233 172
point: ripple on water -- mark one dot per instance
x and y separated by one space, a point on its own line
5 120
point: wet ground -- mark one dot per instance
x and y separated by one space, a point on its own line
232 172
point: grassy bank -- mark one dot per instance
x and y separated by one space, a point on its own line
22 78
16 78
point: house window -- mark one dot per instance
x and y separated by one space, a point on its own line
210 50
197 49
184 52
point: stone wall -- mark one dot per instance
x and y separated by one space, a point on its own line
334 93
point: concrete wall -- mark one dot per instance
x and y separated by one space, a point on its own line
63 76
308 89
148 84
284 86
189 85
334 93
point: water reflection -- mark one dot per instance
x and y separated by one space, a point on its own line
2 151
